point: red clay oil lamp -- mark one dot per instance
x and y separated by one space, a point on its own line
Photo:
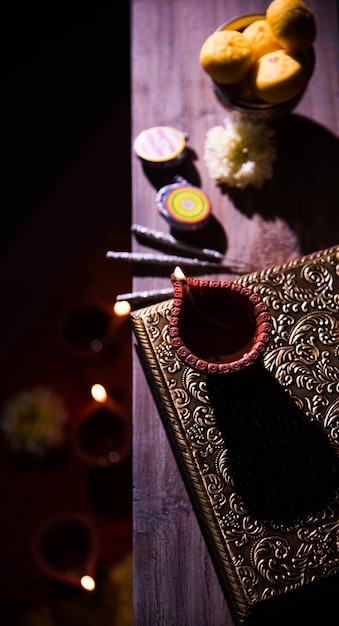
66 548
217 327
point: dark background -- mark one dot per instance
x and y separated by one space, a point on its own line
65 68
65 199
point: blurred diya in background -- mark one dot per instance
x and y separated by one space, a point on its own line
86 329
102 435
217 327
66 549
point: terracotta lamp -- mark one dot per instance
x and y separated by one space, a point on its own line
217 327
66 548
102 434
86 328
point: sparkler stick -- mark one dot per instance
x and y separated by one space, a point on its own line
149 234
143 298
169 260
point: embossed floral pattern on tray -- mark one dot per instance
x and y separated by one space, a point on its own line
259 556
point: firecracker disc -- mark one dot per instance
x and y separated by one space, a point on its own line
185 206
160 144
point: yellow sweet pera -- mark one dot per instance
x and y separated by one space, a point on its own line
278 76
292 23
226 56
261 36
269 60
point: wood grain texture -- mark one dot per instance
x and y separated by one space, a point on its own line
294 213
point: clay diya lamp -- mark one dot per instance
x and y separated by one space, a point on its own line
102 435
66 549
86 329
217 327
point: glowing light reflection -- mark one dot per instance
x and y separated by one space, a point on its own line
122 308
99 392
179 274
87 582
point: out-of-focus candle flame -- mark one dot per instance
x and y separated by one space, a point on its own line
99 393
122 308
178 273
88 583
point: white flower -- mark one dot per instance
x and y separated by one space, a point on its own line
240 153
34 421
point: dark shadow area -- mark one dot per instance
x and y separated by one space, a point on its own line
110 489
282 464
63 74
212 235
313 605
65 83
309 202
158 176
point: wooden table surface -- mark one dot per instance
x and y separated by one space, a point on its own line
295 213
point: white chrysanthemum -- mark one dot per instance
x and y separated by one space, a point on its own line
240 153
34 421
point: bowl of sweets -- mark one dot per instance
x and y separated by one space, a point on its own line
260 64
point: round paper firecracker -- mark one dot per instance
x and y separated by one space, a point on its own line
183 205
161 146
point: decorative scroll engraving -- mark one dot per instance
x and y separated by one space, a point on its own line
303 355
260 557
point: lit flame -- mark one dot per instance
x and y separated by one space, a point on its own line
88 583
122 308
99 392
179 274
